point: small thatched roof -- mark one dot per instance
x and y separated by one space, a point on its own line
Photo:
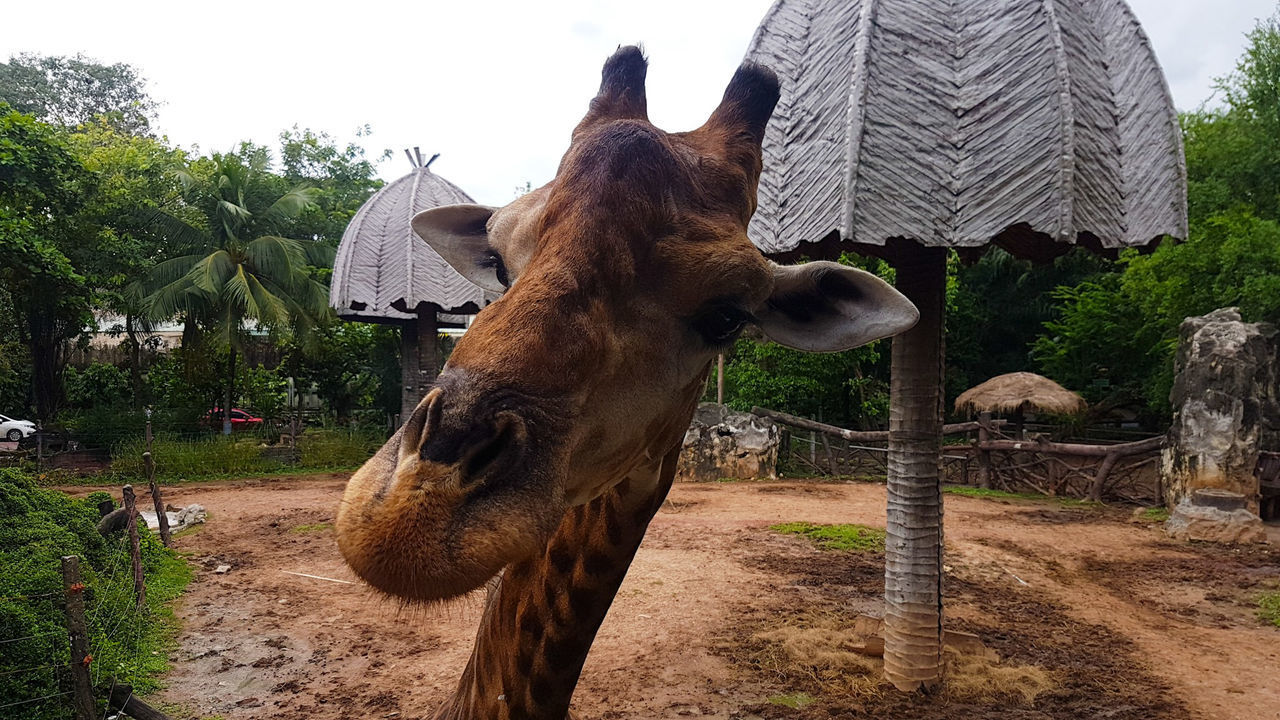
1020 391
1026 123
383 272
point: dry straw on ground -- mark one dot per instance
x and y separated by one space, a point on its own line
829 650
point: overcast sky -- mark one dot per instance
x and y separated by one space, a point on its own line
495 87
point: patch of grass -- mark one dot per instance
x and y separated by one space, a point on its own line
1269 608
210 457
795 701
1155 514
993 494
312 527
856 538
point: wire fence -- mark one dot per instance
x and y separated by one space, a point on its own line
38 669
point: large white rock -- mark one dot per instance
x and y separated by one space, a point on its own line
723 444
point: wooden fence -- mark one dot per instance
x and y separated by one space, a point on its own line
981 453
76 676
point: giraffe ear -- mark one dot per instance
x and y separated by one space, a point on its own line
828 307
459 233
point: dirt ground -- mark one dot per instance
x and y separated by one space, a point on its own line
1125 623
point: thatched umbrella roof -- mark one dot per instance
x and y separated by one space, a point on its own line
1020 391
383 272
1026 123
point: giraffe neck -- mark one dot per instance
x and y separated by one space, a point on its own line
541 618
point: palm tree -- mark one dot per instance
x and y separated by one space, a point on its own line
233 262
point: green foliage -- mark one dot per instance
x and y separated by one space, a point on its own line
1269 608
42 189
837 387
73 90
37 528
1115 336
235 262
185 458
998 306
856 538
351 365
97 386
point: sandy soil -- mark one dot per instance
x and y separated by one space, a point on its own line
1128 623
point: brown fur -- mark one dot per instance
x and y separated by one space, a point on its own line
551 438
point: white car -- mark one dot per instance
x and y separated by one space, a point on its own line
14 430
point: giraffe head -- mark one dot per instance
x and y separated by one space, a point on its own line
621 279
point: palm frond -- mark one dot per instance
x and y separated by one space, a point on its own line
276 257
181 236
290 205
320 254
211 273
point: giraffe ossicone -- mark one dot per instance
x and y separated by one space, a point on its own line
550 438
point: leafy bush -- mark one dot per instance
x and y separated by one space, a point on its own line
37 528
98 385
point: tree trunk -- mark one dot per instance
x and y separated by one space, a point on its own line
231 387
913 548
135 360
48 360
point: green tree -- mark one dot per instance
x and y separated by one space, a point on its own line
135 178
69 91
344 177
236 262
42 189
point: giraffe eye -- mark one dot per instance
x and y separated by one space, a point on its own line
720 324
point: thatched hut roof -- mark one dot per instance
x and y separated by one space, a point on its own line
383 271
1020 391
1027 123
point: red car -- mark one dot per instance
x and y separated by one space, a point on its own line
240 420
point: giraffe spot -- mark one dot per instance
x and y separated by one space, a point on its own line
581 601
612 524
597 563
562 652
531 624
540 689
561 559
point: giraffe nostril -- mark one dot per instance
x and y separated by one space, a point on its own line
503 446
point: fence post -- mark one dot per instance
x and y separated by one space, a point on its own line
135 552
720 379
984 456
148 462
78 635
39 445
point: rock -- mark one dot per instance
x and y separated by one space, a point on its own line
1212 524
1226 403
222 569
190 515
723 444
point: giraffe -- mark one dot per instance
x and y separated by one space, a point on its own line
550 439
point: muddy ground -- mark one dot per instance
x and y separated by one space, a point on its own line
1123 623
